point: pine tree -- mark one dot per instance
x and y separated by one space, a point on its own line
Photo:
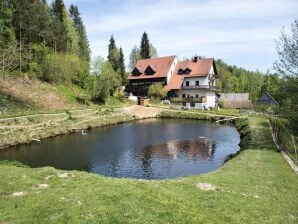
113 54
65 36
58 8
84 50
58 36
121 63
145 47
6 31
31 21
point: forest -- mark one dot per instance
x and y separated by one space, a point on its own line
48 42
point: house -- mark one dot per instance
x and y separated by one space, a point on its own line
236 100
266 99
149 71
191 83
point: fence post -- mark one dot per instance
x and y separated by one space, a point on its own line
294 147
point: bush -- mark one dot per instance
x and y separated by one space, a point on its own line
61 68
157 91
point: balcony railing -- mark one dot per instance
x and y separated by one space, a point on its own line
185 100
199 87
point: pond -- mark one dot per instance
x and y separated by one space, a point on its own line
148 149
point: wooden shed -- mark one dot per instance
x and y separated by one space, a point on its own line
266 99
143 101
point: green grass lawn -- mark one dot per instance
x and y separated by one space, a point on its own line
256 186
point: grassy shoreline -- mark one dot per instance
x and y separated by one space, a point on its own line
24 129
255 186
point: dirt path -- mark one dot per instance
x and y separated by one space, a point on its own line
142 112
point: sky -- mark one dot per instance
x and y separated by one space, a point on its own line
241 33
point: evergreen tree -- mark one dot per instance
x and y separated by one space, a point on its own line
84 50
31 21
58 8
65 36
145 47
121 63
6 30
113 54
58 35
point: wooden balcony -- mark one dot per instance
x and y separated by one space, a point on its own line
199 87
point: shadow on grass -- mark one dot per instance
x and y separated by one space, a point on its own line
9 103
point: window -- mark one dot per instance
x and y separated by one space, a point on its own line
180 71
197 83
136 72
149 71
187 83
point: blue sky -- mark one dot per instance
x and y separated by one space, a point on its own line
242 33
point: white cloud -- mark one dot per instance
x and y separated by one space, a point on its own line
226 29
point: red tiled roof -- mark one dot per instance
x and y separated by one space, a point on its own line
161 66
200 68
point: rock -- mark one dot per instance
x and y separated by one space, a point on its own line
206 186
65 175
19 194
41 186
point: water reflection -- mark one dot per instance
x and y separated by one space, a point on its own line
195 149
203 148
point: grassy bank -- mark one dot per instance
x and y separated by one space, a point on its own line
24 129
256 186
191 115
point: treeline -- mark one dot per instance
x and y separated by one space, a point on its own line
239 80
44 40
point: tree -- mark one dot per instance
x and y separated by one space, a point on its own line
121 63
113 54
40 54
287 49
72 42
134 57
84 50
31 21
145 46
153 52
107 80
157 91
6 30
287 66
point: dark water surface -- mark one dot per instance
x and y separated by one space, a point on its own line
149 149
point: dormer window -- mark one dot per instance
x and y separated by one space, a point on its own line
187 71
180 71
149 70
136 72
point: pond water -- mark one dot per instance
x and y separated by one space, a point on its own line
148 149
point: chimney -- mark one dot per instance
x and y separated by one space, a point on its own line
195 59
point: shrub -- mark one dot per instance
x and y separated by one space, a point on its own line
157 91
61 68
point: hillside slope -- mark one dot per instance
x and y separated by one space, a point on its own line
19 94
